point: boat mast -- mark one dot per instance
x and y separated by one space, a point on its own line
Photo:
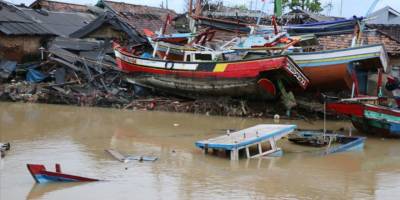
324 118
261 13
358 37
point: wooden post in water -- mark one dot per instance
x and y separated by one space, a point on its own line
234 154
247 152
273 144
324 119
206 149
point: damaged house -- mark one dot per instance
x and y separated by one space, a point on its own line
23 31
20 36
58 6
110 26
140 17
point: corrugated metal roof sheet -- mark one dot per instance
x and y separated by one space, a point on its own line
15 22
60 23
22 28
25 21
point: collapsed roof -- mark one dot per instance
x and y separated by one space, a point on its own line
116 22
58 6
14 21
140 17
24 21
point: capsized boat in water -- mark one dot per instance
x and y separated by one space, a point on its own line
209 74
41 175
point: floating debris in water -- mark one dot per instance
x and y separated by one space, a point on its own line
3 148
126 159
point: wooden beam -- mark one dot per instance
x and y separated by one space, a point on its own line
247 152
234 154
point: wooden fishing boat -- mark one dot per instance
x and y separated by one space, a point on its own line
41 175
324 28
201 75
336 68
171 51
370 118
245 139
225 25
334 141
175 38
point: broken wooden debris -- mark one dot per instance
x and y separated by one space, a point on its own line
75 44
3 148
117 155
7 67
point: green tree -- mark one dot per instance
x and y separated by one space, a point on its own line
308 5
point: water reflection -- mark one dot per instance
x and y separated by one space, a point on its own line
39 191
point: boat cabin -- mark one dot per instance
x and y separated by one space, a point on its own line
201 56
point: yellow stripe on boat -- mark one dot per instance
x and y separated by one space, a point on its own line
220 67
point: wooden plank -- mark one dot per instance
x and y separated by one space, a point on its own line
272 142
126 159
264 153
235 155
116 155
66 63
247 152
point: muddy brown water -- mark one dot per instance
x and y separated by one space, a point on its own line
76 138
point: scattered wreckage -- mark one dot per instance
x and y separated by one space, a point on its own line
3 148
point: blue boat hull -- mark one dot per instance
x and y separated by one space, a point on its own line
344 143
43 178
377 127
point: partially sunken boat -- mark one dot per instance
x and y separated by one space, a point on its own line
330 140
201 75
244 140
369 118
41 175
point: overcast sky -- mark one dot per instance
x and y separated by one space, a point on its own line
349 7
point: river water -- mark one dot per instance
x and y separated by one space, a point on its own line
77 137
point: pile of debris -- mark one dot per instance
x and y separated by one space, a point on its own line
79 72
223 106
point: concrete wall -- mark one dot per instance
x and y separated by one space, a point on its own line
369 37
20 48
